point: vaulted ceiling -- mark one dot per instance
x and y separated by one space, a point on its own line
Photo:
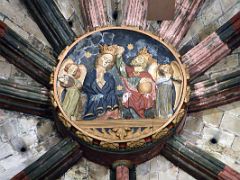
205 33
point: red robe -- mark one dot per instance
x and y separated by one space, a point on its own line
137 101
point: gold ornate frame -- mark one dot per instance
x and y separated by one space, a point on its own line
121 129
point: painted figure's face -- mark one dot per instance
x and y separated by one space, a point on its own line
165 69
106 61
139 61
73 69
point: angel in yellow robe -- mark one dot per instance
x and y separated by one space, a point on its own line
71 103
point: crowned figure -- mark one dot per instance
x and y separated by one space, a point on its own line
99 86
138 100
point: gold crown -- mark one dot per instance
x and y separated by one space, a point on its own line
144 52
105 49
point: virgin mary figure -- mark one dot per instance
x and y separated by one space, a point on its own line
99 86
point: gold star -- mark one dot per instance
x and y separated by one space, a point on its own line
88 54
119 88
130 47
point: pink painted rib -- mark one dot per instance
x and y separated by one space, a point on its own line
134 13
217 99
206 51
187 58
129 11
171 31
143 20
205 54
174 31
93 13
166 24
137 14
203 66
187 24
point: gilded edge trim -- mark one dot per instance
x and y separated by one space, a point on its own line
82 134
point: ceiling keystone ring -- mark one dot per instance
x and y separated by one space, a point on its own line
120 88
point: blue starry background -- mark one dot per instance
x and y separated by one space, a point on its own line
86 51
122 38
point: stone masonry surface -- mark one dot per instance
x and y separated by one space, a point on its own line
24 138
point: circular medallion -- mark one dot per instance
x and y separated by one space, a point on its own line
119 89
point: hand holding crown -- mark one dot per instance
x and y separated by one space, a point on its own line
119 50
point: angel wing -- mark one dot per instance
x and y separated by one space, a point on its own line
152 69
177 84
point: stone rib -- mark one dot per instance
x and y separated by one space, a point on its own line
53 163
216 83
24 56
93 13
135 13
196 162
114 11
26 99
214 47
165 25
225 96
52 23
110 6
214 92
174 31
